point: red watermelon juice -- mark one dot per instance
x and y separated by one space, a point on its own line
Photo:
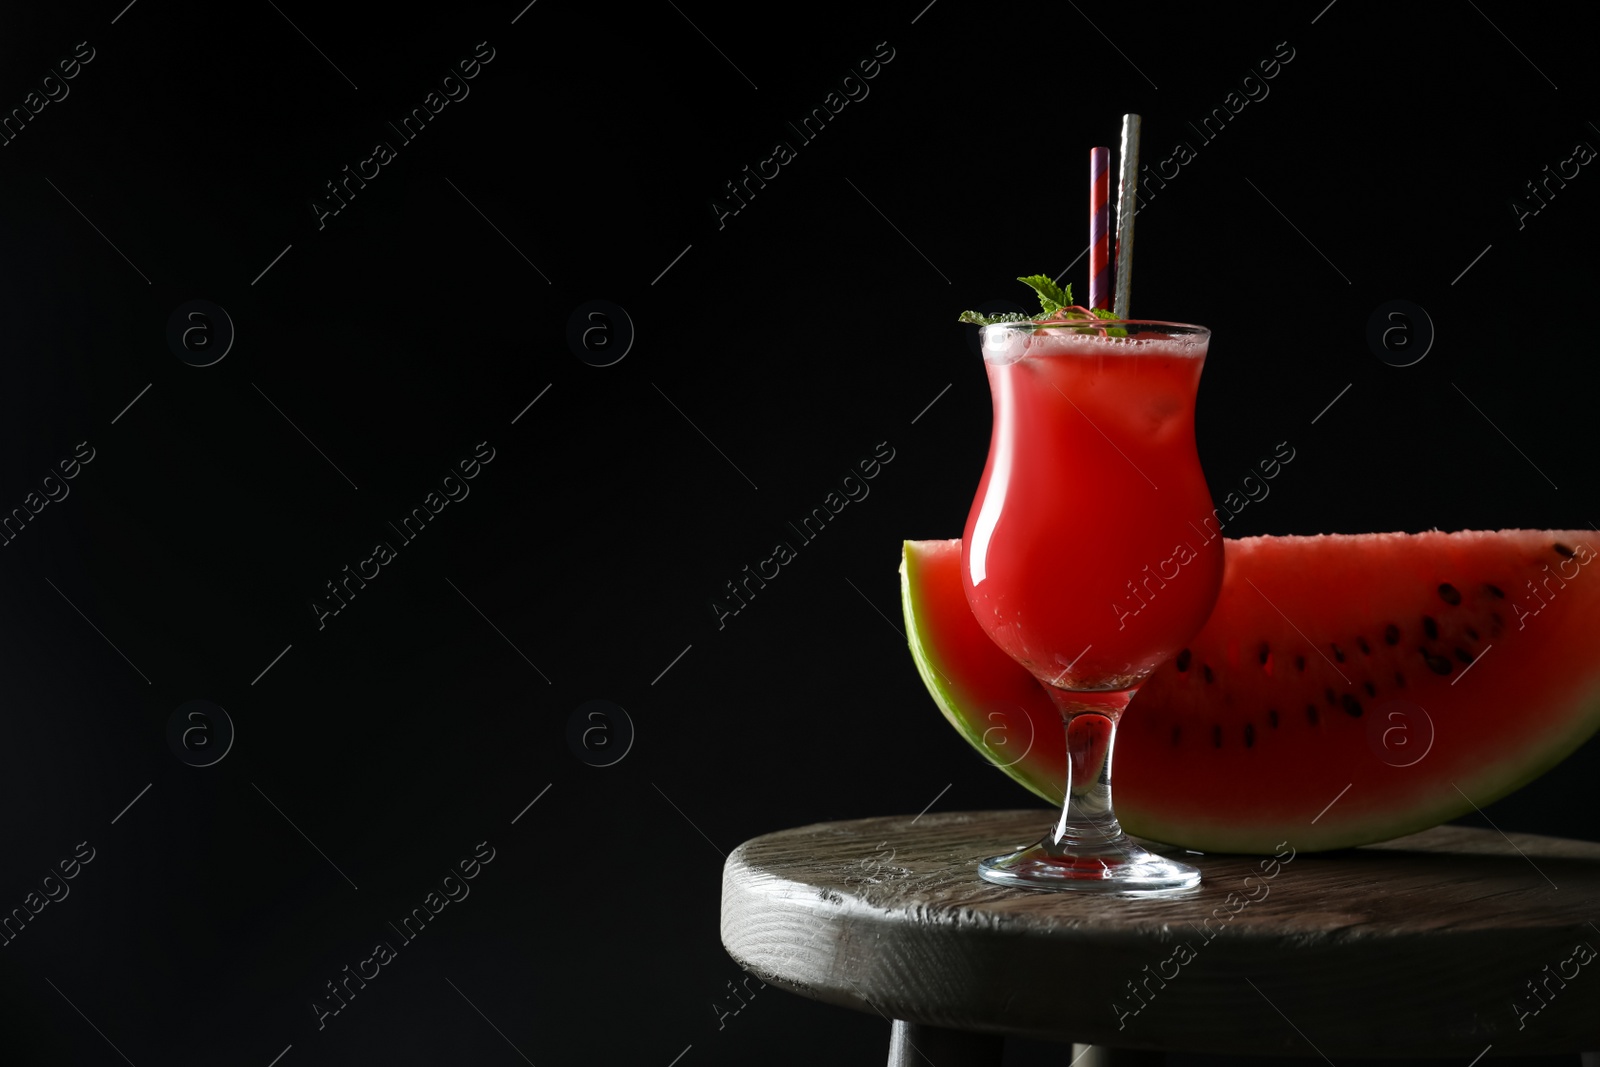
1086 555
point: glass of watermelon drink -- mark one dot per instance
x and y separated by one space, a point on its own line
1088 559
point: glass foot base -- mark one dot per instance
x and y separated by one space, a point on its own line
1120 866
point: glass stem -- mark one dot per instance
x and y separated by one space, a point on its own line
1088 822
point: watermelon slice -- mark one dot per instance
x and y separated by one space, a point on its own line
1346 689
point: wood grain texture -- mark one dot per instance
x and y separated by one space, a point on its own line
1424 946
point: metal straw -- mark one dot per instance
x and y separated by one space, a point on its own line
1127 204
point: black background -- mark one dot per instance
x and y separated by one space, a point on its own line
772 352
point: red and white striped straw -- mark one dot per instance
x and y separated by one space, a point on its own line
1101 278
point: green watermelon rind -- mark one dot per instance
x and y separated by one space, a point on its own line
944 691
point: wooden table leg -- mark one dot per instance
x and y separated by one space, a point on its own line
1101 1056
916 1045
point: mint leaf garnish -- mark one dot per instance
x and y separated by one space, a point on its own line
1107 313
1052 298
990 320
1056 301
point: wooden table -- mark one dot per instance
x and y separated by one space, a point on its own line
1447 943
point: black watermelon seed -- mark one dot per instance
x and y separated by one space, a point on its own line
1366 649
1266 653
1463 655
1183 660
1471 633
1563 549
1494 591
1299 663
1430 628
1449 594
1391 634
1352 706
1216 736
1399 680
1436 664
1371 689
1311 714
1272 718
1332 697
1338 653
1176 731
1249 735
1205 669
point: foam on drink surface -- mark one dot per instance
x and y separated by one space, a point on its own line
1008 344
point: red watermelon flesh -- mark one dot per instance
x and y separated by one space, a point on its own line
1346 689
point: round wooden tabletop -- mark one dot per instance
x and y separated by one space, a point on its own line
1446 943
